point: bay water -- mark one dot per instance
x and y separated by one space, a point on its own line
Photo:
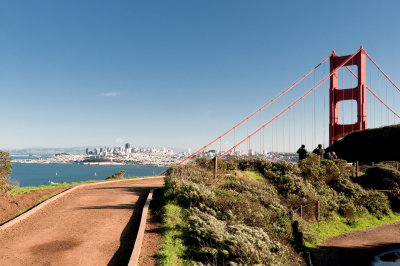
33 174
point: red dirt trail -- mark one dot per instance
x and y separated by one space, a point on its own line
92 225
358 247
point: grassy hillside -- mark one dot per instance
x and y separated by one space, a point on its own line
243 216
371 145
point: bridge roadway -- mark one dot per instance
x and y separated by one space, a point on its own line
92 225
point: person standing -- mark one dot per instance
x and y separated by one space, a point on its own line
319 151
302 152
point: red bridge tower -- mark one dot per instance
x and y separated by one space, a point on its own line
336 130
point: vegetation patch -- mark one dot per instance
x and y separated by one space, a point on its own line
24 190
243 216
340 225
172 244
119 175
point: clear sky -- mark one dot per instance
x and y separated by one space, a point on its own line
167 73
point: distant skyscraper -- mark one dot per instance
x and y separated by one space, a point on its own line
189 151
127 146
87 150
251 152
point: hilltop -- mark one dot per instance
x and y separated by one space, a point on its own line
370 145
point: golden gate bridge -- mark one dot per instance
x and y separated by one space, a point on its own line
311 108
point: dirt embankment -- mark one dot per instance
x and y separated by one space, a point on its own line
12 205
92 225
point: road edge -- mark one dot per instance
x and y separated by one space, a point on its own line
38 207
133 261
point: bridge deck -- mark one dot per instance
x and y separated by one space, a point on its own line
92 225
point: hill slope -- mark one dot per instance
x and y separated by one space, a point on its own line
371 145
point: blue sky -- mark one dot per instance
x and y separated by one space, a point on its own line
167 73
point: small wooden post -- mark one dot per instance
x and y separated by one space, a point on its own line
301 210
356 168
318 211
397 166
373 164
291 216
215 167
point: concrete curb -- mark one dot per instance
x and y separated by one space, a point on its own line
50 200
133 261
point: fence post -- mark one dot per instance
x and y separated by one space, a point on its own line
215 167
356 168
301 211
397 166
318 211
291 216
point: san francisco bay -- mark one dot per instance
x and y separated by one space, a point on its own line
42 174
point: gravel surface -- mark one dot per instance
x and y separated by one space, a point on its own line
359 247
93 225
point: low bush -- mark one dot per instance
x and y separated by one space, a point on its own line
5 171
380 177
221 243
118 175
242 217
377 203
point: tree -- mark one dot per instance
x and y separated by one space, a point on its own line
5 170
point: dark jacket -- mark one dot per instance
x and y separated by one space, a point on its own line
319 152
302 153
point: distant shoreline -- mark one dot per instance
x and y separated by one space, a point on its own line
94 163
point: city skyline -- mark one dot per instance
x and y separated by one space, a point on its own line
174 74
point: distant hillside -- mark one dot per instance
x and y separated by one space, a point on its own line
371 145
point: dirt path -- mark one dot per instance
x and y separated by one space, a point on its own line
93 225
153 233
359 247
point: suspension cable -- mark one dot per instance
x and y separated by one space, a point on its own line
375 95
293 104
382 71
259 110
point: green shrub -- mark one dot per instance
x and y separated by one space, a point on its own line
377 203
256 200
5 171
380 177
221 243
346 207
188 193
311 167
118 175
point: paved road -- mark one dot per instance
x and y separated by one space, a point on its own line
358 247
92 225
